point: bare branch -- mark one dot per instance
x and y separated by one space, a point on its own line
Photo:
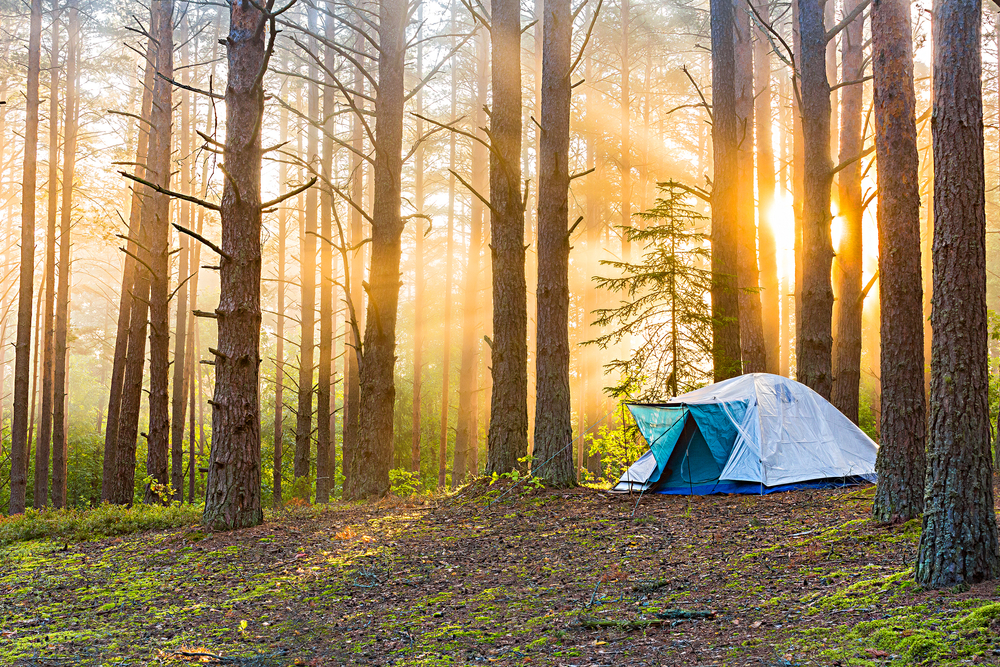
171 193
198 237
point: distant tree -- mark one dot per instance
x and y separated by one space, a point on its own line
662 302
763 124
848 307
958 543
725 297
60 384
903 428
752 348
508 434
553 453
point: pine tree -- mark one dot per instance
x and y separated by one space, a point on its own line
662 302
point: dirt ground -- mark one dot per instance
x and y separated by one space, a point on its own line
534 577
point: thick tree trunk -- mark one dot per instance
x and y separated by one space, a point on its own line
232 498
22 346
798 182
508 435
326 478
110 483
307 280
625 108
553 409
814 364
370 468
901 456
770 293
179 388
848 307
725 298
958 543
160 163
40 497
748 276
60 384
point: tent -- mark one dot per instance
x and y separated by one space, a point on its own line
756 433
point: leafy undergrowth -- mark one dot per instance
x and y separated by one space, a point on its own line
105 521
575 577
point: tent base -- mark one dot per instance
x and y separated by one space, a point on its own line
748 488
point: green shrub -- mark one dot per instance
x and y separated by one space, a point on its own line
72 525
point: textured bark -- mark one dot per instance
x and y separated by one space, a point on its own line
40 497
130 274
325 449
725 300
307 280
232 498
178 399
748 276
60 384
467 435
798 182
22 346
508 434
370 467
160 164
901 456
958 543
766 246
553 454
813 354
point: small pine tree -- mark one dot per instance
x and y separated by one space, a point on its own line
665 307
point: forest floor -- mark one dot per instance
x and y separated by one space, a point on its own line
533 578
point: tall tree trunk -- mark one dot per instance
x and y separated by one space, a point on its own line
326 482
467 435
848 307
160 164
813 355
232 498
22 346
178 398
748 276
553 412
307 280
725 299
60 385
449 264
770 293
110 482
958 543
508 435
370 470
901 463
352 379
279 323
798 181
40 496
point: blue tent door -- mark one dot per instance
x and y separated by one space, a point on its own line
691 466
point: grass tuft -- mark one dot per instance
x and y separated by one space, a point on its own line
70 525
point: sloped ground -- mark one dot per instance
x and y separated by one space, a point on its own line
537 578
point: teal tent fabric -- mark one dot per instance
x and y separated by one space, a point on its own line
661 427
717 427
